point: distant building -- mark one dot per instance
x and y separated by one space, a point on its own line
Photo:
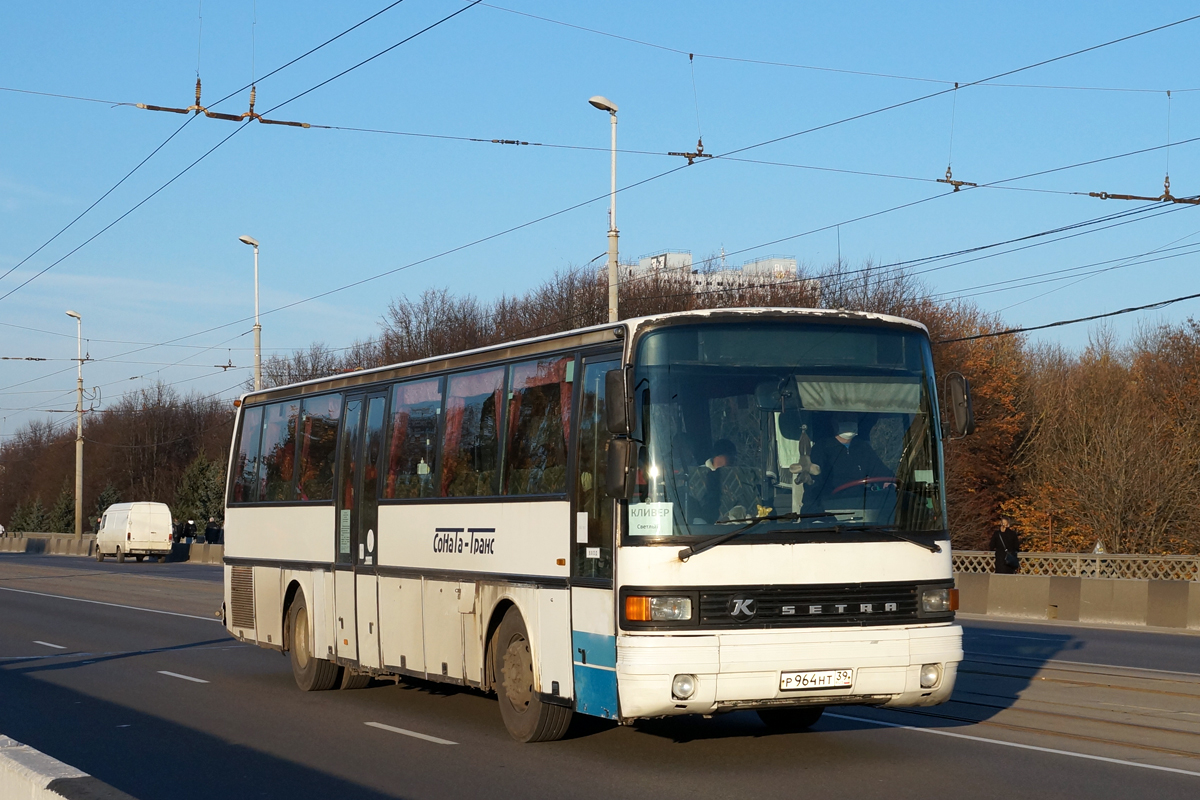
760 272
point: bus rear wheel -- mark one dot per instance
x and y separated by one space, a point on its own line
312 674
790 719
525 715
120 556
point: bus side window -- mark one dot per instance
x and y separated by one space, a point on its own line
471 441
412 439
318 446
277 473
593 547
246 466
539 426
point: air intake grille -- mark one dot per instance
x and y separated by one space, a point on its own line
241 597
829 605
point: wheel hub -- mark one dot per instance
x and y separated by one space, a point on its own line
300 645
518 674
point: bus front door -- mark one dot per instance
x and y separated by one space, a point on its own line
366 579
593 625
355 586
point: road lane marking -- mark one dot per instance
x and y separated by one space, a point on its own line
413 734
182 677
1017 745
47 644
113 605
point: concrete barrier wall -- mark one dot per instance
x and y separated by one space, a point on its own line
29 774
1120 601
59 545
65 545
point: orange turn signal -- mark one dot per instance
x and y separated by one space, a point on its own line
954 599
637 608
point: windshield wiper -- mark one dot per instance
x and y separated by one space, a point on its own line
708 544
888 531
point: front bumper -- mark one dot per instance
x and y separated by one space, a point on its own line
741 669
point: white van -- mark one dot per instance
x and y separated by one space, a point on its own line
134 529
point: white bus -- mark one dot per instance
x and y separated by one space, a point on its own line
688 513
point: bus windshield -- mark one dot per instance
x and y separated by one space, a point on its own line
830 425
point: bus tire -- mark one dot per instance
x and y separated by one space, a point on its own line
353 680
312 674
99 553
120 556
526 717
790 719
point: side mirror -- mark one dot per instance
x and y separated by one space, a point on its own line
621 469
768 397
959 390
616 403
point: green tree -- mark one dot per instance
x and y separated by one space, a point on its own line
18 520
62 513
201 492
108 496
36 519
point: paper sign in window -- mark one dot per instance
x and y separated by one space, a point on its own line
651 519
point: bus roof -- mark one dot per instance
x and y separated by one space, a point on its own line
607 332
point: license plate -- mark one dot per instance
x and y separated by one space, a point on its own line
823 679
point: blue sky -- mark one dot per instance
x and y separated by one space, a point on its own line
332 206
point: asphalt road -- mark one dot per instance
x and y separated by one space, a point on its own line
142 688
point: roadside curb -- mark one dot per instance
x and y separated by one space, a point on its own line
1063 623
26 772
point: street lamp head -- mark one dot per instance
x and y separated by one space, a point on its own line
604 104
250 240
75 314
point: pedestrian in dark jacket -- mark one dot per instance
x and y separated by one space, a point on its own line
1006 542
212 531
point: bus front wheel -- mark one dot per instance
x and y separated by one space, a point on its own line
312 674
525 715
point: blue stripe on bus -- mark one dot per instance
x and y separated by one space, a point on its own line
596 691
594 649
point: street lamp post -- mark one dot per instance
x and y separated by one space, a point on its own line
257 328
78 425
607 105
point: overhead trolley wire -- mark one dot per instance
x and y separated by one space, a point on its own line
235 132
1061 322
168 139
811 67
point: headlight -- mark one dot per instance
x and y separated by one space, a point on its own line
683 687
939 600
931 675
655 608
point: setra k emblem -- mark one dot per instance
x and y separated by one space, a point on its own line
742 608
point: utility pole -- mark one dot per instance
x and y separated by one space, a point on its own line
78 425
607 105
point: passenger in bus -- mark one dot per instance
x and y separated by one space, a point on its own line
845 461
720 489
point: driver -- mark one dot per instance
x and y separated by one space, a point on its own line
843 458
